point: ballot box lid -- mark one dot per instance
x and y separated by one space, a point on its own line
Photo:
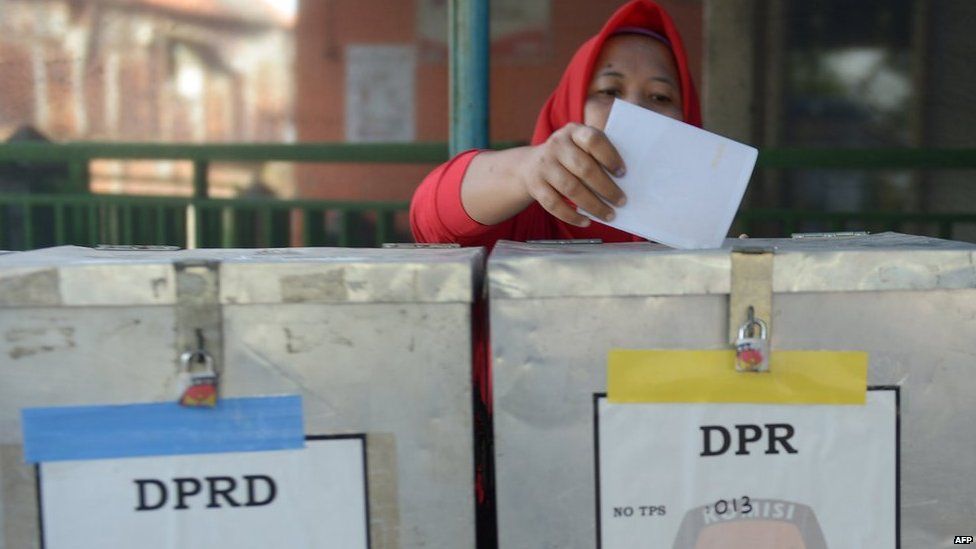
880 262
77 276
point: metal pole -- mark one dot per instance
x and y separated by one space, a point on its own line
469 44
201 187
194 217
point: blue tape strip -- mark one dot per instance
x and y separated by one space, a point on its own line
99 432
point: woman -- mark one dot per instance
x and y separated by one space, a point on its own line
525 193
479 197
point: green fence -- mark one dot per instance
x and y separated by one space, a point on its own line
52 220
787 222
37 220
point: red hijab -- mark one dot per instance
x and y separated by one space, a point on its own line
565 105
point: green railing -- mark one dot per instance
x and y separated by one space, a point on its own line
78 156
52 220
28 220
35 220
787 222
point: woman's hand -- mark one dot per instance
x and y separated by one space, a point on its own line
571 164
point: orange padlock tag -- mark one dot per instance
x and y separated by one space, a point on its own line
198 380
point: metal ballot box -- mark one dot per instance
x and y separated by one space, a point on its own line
556 311
376 341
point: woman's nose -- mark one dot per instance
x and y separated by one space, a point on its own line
638 99
634 99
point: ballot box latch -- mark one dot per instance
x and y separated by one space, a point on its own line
199 332
751 307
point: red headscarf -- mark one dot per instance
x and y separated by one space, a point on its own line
565 105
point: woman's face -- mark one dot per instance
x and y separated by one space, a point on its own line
637 69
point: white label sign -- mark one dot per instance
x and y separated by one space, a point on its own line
756 476
313 497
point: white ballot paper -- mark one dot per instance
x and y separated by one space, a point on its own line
683 184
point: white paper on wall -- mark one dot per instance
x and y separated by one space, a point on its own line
380 82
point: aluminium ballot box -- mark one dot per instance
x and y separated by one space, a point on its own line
376 342
556 310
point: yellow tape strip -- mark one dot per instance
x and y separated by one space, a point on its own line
795 377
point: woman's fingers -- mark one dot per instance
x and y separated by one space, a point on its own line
599 153
571 165
554 203
569 185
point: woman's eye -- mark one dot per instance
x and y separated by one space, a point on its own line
658 98
610 92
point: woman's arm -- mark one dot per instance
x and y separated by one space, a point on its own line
570 164
470 198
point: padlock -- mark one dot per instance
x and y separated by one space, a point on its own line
197 379
751 352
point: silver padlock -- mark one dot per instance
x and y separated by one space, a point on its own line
197 379
751 352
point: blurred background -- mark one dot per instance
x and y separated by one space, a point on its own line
310 122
